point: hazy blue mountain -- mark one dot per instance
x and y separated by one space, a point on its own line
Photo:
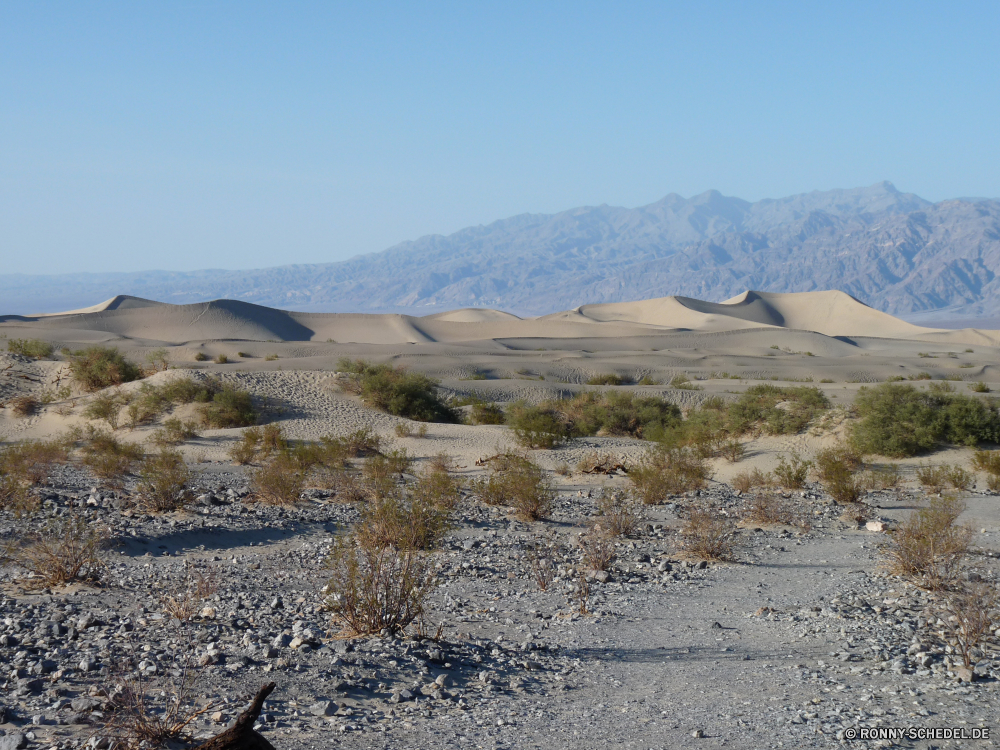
893 250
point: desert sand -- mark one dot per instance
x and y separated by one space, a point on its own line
650 670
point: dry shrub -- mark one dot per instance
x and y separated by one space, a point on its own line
970 613
185 598
106 406
174 432
245 450
733 450
936 478
988 461
382 472
837 469
412 523
280 481
519 484
24 406
66 550
668 471
708 534
886 477
31 462
402 430
768 508
929 546
792 473
34 348
856 513
620 514
597 545
230 407
347 487
99 367
272 440
747 481
108 458
437 488
542 554
140 715
163 480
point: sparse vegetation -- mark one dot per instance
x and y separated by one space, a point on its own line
837 469
280 481
979 387
163 480
537 426
606 379
230 407
968 615
683 382
619 513
221 359
597 546
201 357
929 546
747 481
185 599
768 508
24 406
708 534
66 550
792 473
108 458
519 484
34 348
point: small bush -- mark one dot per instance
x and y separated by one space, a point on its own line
185 599
778 410
66 550
707 534
374 588
163 480
31 462
24 406
175 432
397 391
979 387
221 359
683 382
615 413
733 450
438 489
608 379
402 430
619 513
245 450
230 407
837 469
101 367
201 357
887 477
767 508
110 459
415 523
666 472
360 443
517 483
536 426
970 613
486 413
158 360
34 348
271 357
929 546
937 478
598 547
106 406
792 473
746 481
280 481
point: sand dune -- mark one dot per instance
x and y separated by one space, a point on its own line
830 313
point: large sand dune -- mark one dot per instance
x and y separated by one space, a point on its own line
829 313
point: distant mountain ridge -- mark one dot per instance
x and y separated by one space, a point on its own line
895 251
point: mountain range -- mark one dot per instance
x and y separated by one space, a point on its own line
895 251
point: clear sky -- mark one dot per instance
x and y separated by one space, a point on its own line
185 135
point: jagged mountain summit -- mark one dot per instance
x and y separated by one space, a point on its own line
895 251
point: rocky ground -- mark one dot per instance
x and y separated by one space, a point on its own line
799 642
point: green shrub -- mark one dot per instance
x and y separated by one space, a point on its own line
683 382
229 407
221 359
35 348
106 406
398 391
175 432
668 471
778 410
899 420
201 357
979 387
100 367
792 473
608 379
837 468
158 360
929 546
616 413
278 482
108 458
163 480
536 426
486 413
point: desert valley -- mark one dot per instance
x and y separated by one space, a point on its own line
651 524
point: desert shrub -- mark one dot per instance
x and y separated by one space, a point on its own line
15 496
34 348
683 382
747 481
606 379
66 550
929 546
666 471
899 420
619 513
374 588
483 412
221 359
186 390
244 451
979 387
158 360
403 523
988 461
837 469
24 406
597 546
229 407
938 477
280 481
792 473
201 357
881 478
519 484
733 450
437 488
615 413
100 367
184 599
272 440
648 380
708 534
536 426
768 508
970 613
271 357
362 442
107 406
163 480
402 430
175 432
398 391
31 462
108 458
778 410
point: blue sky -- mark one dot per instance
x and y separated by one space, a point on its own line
237 135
